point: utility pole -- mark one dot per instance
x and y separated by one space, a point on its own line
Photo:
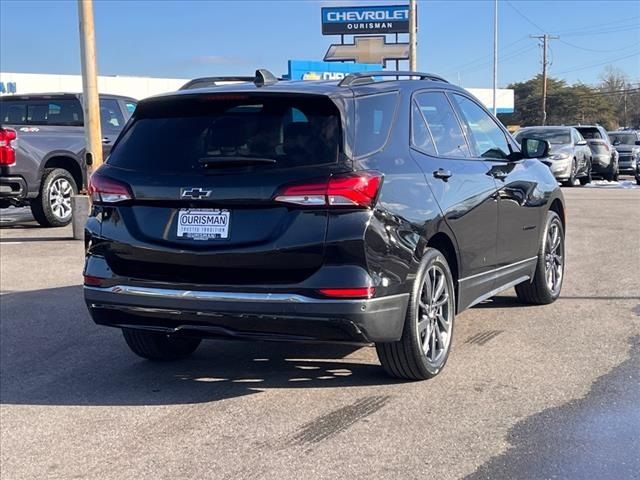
413 30
91 101
545 41
93 138
495 56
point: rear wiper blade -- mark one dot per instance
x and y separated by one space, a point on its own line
235 160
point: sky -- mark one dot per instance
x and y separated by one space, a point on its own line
187 39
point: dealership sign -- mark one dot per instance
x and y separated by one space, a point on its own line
373 49
364 20
316 70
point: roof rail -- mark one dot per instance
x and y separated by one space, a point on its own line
362 78
207 81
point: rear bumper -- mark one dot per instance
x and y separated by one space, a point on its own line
13 188
278 316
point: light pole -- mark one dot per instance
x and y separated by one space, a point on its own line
495 56
412 36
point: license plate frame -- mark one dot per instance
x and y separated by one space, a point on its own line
212 224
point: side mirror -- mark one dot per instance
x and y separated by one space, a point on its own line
534 148
582 142
637 142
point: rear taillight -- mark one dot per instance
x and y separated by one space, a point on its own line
358 189
7 150
103 189
364 292
91 281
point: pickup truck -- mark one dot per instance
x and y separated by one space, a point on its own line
42 150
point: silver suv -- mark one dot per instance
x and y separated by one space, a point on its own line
604 156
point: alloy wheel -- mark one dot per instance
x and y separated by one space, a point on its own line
435 316
60 198
554 258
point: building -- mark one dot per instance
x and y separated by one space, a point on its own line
141 87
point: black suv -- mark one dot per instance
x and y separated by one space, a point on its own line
369 210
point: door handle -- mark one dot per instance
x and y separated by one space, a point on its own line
105 140
442 174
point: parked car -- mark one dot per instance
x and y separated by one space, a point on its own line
569 157
44 163
359 211
605 157
627 144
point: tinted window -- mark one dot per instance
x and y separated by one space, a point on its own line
374 117
443 124
552 135
420 136
590 133
110 115
486 137
183 135
41 112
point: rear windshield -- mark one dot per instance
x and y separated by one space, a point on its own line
215 131
45 111
590 133
553 136
623 138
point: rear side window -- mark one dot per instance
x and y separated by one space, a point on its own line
214 131
420 135
46 111
374 117
443 124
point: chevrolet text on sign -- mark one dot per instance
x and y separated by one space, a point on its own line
364 20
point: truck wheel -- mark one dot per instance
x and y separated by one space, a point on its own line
423 350
157 346
52 207
546 284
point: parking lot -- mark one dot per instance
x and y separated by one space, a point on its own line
529 392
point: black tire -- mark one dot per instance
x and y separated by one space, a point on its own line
42 209
587 178
538 291
157 346
407 358
637 180
612 172
572 176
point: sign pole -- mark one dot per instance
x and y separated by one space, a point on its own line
412 36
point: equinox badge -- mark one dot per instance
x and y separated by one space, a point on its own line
191 192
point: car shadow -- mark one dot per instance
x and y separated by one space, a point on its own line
51 353
500 302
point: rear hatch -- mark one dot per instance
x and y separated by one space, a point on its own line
203 172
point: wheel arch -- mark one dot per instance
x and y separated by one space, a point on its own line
446 245
67 162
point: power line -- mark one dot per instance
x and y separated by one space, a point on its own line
588 28
524 16
599 51
586 67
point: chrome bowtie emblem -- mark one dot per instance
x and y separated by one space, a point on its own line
192 192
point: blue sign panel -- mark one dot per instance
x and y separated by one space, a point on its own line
316 70
365 20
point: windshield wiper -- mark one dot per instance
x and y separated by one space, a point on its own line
207 161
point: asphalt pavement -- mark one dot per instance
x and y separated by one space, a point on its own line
530 392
